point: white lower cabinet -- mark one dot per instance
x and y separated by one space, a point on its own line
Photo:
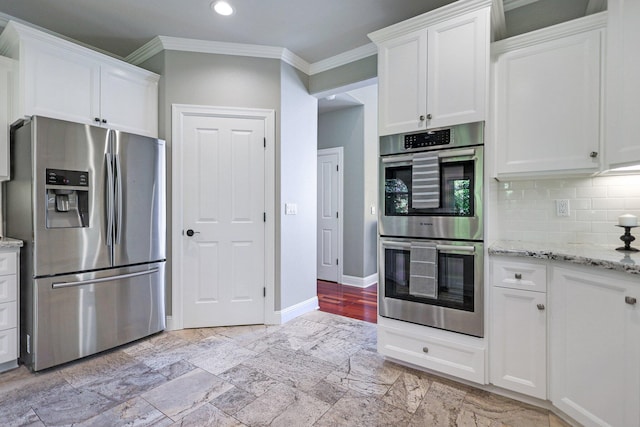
450 353
518 343
8 308
595 346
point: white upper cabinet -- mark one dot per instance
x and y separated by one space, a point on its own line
63 80
548 100
433 69
623 83
6 75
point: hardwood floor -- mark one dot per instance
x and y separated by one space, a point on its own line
349 301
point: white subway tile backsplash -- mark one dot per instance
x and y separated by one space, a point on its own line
526 209
591 191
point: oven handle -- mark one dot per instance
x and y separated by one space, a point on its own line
394 243
398 159
469 152
454 248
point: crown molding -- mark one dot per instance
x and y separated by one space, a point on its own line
160 43
514 4
426 19
565 29
344 58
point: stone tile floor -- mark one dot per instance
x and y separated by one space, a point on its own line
317 370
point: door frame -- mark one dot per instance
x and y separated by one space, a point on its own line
340 152
178 114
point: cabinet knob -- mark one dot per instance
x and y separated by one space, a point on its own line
104 120
540 307
429 116
422 118
425 349
593 154
518 276
96 119
630 300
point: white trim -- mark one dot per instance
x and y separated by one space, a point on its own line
425 20
178 112
296 310
360 282
339 151
514 4
169 326
498 22
343 58
160 43
565 29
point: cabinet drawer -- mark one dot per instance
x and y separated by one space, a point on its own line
520 275
7 263
452 358
8 315
8 288
8 345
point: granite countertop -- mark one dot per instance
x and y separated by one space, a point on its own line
602 256
8 242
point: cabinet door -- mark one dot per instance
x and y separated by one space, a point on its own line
594 347
623 87
402 83
548 106
59 83
6 83
518 341
458 62
129 100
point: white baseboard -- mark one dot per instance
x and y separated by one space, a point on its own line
283 316
169 326
360 282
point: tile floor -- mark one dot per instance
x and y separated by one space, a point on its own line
319 369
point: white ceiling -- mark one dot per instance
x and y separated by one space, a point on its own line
313 30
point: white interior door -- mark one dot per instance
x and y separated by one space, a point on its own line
223 215
329 214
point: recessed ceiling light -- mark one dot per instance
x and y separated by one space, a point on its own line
222 8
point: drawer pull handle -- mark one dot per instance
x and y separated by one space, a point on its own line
540 307
630 300
518 276
425 349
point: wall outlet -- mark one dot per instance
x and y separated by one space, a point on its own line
562 207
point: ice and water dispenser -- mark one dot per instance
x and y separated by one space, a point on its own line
67 198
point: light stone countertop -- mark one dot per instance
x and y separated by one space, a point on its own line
600 256
8 242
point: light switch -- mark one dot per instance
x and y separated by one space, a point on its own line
290 209
373 210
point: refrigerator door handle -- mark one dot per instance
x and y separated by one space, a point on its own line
59 285
110 200
118 198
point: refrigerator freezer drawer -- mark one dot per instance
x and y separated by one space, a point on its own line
78 315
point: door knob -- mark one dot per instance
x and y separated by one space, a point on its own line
540 307
190 232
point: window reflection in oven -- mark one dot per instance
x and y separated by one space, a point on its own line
456 191
455 279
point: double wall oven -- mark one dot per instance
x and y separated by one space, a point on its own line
431 228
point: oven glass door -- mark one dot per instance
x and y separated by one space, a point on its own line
456 190
455 279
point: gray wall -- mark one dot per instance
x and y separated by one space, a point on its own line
298 165
235 81
345 128
345 75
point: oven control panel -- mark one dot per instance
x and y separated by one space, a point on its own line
427 139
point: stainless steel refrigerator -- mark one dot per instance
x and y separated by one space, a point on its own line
89 204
